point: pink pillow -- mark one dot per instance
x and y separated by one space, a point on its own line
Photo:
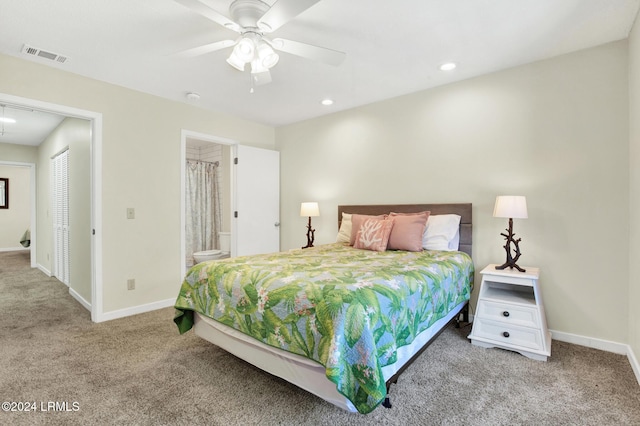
356 223
373 234
407 231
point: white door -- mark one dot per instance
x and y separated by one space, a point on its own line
257 201
60 208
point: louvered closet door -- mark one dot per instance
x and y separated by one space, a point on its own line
60 208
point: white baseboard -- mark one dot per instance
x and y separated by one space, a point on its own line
590 342
134 310
604 345
80 299
19 248
633 360
43 269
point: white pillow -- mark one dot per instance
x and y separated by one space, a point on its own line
344 234
454 244
442 232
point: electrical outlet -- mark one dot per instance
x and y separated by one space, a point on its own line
131 213
131 284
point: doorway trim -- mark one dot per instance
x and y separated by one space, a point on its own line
184 135
95 173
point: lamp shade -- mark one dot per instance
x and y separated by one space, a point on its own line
245 49
235 62
511 206
267 57
309 209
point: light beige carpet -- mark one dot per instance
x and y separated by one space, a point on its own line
140 371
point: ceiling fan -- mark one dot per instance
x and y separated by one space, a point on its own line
253 19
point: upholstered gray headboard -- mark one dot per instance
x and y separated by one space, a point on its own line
461 209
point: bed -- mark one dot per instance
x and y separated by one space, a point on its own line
338 321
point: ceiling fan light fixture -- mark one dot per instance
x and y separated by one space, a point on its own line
245 49
257 67
252 19
236 62
267 57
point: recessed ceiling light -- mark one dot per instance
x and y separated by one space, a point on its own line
448 66
193 97
7 120
327 102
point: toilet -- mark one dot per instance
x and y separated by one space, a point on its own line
223 253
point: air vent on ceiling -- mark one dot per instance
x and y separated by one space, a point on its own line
33 51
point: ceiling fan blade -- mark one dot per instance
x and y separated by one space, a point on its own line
210 13
309 51
207 48
260 78
282 12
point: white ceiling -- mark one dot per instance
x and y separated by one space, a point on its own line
31 126
392 47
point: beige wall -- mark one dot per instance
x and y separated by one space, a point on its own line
634 190
17 218
73 134
18 153
555 131
147 248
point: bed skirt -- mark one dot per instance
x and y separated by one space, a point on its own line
303 372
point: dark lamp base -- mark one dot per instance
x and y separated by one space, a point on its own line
512 255
310 235
510 265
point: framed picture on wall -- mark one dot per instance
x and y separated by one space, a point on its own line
4 193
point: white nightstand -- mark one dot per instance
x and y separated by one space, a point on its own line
510 313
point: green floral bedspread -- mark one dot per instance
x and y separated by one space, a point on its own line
345 308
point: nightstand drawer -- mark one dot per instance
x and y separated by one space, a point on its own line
507 334
509 314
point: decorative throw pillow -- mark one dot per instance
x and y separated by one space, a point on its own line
441 233
373 234
344 234
356 223
407 231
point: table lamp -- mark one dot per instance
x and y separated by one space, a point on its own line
309 209
511 206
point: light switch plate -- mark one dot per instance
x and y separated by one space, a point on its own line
131 213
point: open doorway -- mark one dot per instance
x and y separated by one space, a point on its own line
79 132
207 200
253 205
18 214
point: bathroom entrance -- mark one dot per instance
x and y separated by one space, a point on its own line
249 197
207 200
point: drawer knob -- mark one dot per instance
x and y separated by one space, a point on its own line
505 334
505 314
